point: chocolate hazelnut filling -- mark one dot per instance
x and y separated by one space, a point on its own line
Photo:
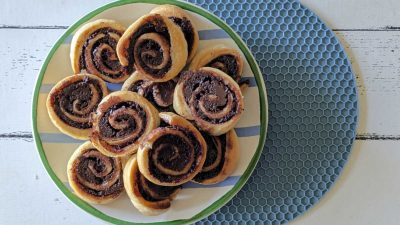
74 103
153 192
159 94
99 56
216 148
138 85
123 120
97 174
174 157
227 64
208 96
187 29
149 48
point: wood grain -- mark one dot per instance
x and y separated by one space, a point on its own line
376 64
21 61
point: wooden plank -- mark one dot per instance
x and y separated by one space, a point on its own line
339 14
374 56
360 188
21 61
366 192
360 14
376 63
48 13
30 194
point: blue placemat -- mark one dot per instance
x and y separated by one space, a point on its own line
312 107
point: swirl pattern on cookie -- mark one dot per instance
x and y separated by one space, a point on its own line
222 156
172 154
220 57
156 46
71 101
160 94
149 198
121 121
180 17
93 176
93 50
209 97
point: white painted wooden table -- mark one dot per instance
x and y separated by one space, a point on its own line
366 193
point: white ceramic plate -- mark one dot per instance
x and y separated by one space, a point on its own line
194 201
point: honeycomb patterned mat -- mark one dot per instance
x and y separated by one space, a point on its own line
312 109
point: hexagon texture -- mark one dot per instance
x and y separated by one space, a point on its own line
312 109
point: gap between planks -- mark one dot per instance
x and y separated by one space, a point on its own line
364 137
62 27
38 27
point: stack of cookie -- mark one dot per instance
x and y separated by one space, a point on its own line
167 126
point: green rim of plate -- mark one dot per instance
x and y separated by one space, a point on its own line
263 113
